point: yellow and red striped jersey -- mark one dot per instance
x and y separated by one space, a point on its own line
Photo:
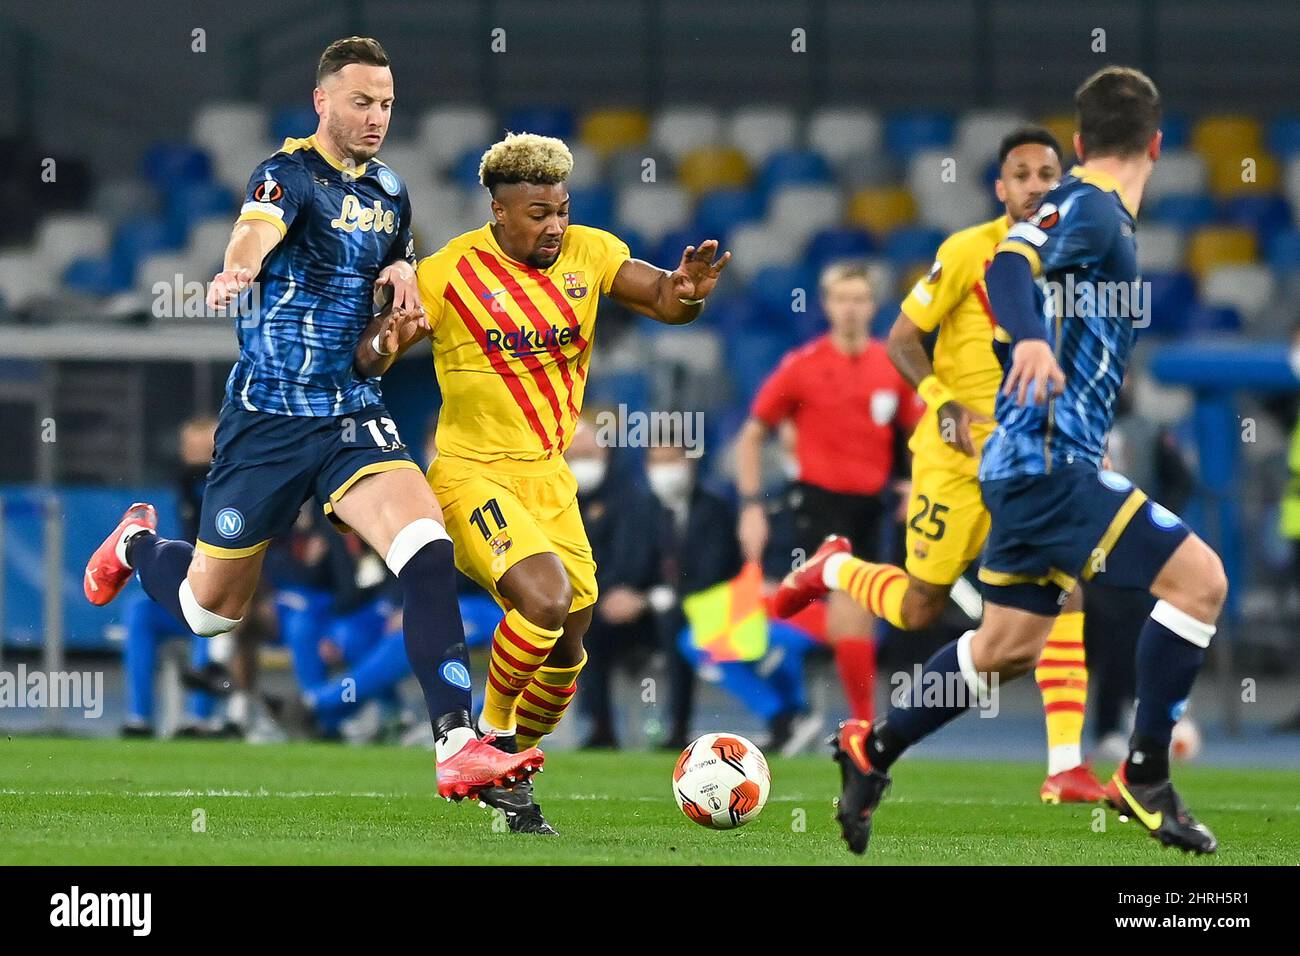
512 343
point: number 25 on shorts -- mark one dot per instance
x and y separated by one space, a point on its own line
932 513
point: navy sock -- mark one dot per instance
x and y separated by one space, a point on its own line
161 566
432 629
941 696
1167 666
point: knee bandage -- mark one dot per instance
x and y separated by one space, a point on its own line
202 621
410 540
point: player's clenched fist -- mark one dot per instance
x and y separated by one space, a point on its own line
227 285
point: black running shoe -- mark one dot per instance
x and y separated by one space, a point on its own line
516 803
1158 807
862 785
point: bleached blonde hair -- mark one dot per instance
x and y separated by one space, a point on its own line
525 158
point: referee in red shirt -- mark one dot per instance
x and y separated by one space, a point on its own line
845 400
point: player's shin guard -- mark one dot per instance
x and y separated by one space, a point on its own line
1062 676
519 648
877 587
421 557
542 704
1171 649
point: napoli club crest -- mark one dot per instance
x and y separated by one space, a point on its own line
575 284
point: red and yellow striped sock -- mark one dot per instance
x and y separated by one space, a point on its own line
1062 676
544 701
519 648
877 587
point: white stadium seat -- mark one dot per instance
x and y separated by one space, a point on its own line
841 132
1247 288
62 237
760 131
756 245
799 211
223 128
448 131
22 279
677 130
652 209
1178 172
957 205
980 132
1160 248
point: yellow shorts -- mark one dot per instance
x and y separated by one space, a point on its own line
500 513
946 523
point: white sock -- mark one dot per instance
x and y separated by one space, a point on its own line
1063 757
831 569
449 746
485 728
120 548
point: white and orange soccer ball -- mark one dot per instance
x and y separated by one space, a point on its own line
721 781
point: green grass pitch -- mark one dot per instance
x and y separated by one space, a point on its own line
76 801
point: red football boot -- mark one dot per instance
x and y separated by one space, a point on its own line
106 572
800 588
478 765
1076 785
862 786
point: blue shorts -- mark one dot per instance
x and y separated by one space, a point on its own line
265 466
1049 531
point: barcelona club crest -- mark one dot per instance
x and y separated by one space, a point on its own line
501 543
575 284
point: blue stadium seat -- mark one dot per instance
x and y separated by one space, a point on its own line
720 211
593 206
90 276
790 167
629 388
137 238
753 357
1175 129
166 166
1266 215
673 244
773 290
1209 318
908 133
1173 294
1284 137
912 244
464 171
1284 251
1184 211
192 202
545 121
293 122
838 242
732 314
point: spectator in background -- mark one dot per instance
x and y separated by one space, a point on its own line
623 520
847 403
1289 511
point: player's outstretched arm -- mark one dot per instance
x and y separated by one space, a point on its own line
250 241
673 298
1034 372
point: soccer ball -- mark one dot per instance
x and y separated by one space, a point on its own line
1186 742
721 781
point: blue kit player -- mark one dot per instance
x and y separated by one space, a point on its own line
1057 517
325 228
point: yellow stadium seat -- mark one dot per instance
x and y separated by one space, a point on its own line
1062 126
912 276
607 131
713 167
1234 136
881 209
1228 175
1215 246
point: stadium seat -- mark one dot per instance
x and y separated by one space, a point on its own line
207 242
960 206
1172 296
587 172
868 171
464 171
164 267
1284 137
652 209
907 133
713 167
447 132
679 130
544 120
774 290
674 243
1160 248
1175 133
408 159
697 348
220 127
1179 172
1291 184
881 209
1183 211
1206 319
1062 126
1284 252
1247 288
756 245
843 132
1228 175
760 131
166 166
1214 246
799 211
912 245
609 130
734 314
234 167
1264 214
23 279
62 237
793 167
718 212
980 132
836 244
1229 136
189 203
96 276
631 166
137 238
293 122
592 207
754 356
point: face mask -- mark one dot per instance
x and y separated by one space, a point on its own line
670 482
590 473
1295 361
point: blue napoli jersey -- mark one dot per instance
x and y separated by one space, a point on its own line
1081 246
340 226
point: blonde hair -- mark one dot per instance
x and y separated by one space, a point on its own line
839 271
525 158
